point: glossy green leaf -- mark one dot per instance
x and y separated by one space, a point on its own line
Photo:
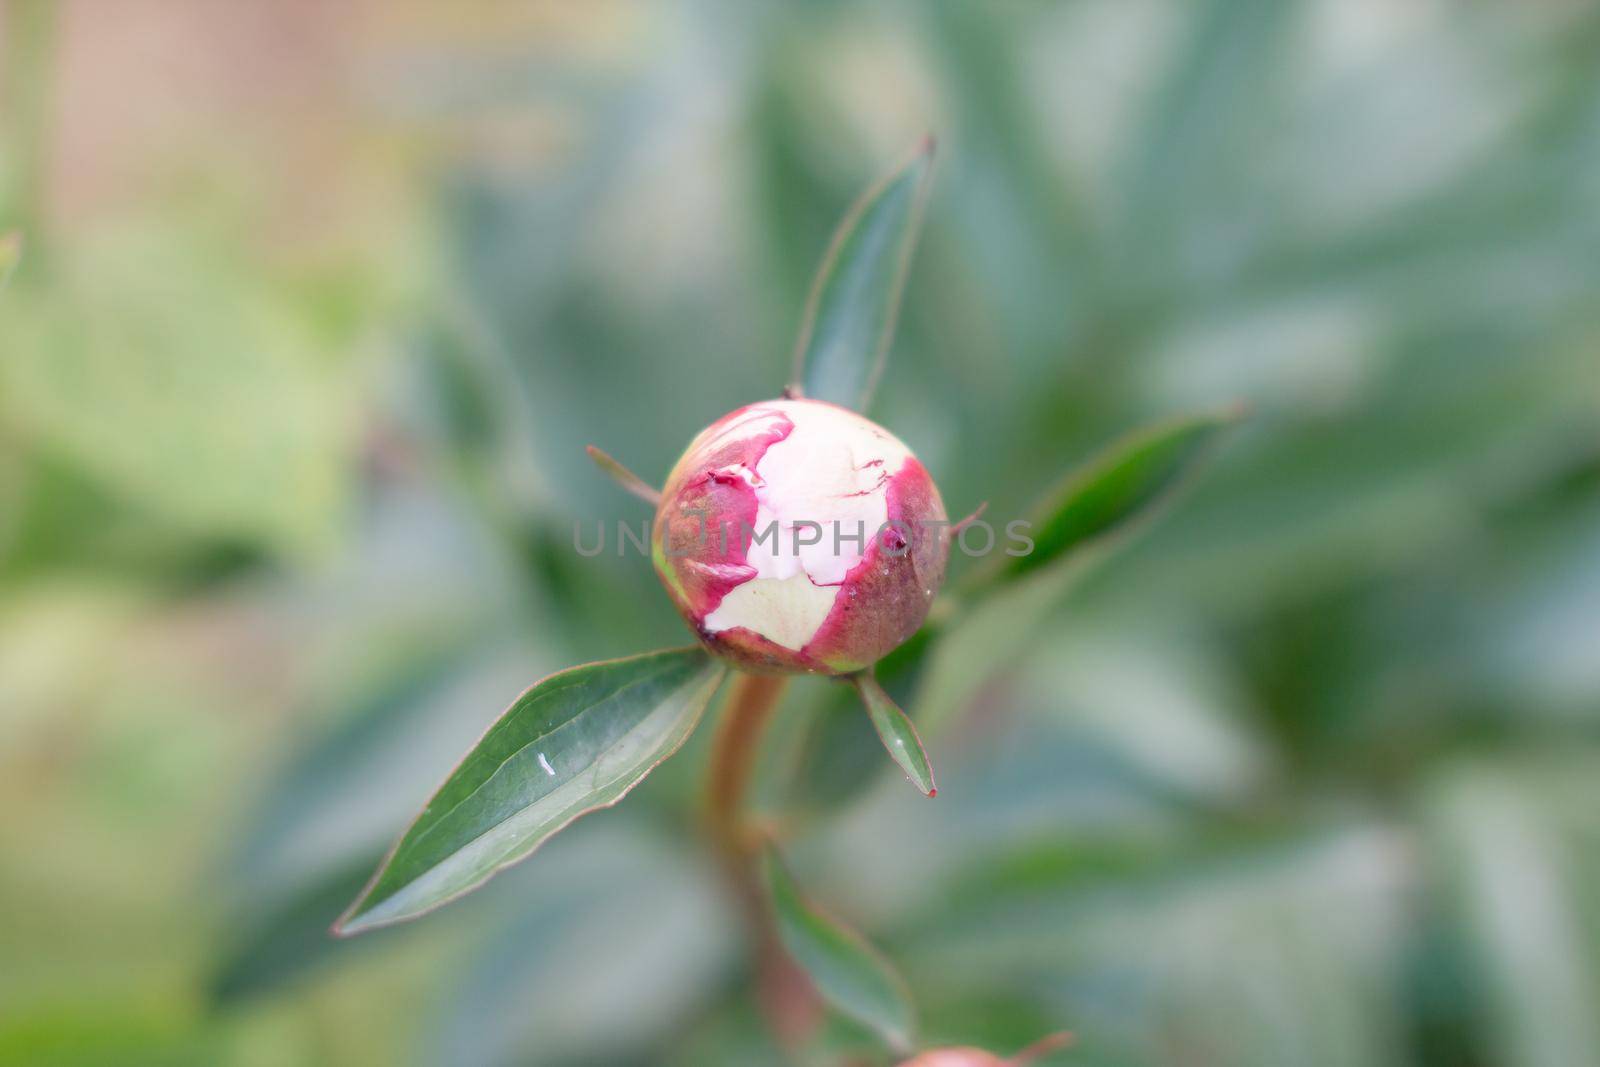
848 972
577 741
10 255
899 736
1116 488
855 298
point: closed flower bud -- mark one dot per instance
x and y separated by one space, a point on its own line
977 1057
956 1057
798 536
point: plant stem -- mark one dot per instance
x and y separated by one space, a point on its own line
751 702
785 994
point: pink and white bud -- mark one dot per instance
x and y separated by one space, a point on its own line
977 1057
956 1057
798 536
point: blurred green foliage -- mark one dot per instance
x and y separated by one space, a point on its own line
293 396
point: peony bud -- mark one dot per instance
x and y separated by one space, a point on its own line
795 535
977 1057
956 1057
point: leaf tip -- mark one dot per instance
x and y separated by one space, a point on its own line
928 147
1043 1047
350 922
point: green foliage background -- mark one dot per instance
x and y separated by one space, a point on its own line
321 302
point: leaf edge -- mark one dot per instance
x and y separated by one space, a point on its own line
342 926
923 155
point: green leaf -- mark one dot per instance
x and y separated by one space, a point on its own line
1212 115
1031 266
992 634
339 796
1117 487
1195 928
328 816
1078 526
855 298
830 759
10 255
898 735
577 741
615 937
848 972
268 950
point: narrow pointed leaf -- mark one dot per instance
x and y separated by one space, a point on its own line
1113 490
577 741
898 735
10 255
848 972
855 298
625 477
833 759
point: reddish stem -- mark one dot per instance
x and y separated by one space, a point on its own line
785 994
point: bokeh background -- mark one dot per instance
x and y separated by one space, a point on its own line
321 302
